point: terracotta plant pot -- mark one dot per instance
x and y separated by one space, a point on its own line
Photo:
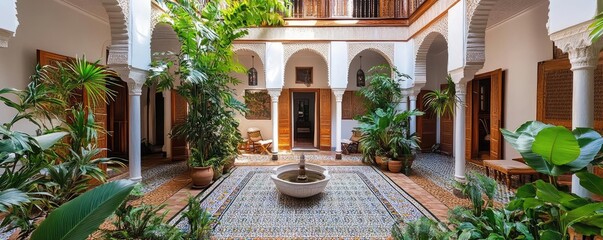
394 166
230 163
381 162
202 176
218 172
573 235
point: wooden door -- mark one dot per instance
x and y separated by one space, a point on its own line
325 119
496 113
284 120
178 116
446 131
426 124
117 121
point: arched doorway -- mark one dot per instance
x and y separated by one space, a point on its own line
305 103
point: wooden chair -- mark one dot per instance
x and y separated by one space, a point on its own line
256 142
351 145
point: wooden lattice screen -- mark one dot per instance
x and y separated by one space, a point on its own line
352 105
555 93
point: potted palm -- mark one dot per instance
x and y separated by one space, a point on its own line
403 145
382 95
203 67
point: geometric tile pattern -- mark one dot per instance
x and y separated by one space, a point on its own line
359 201
440 170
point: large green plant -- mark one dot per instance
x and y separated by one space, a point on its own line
142 222
384 90
52 173
386 133
83 215
555 150
204 66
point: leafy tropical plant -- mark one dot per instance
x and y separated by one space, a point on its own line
142 222
386 133
199 220
476 187
555 150
83 215
597 28
442 102
421 229
383 91
204 66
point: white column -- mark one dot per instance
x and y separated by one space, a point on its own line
338 116
459 133
167 123
584 61
583 55
413 119
274 95
403 106
134 159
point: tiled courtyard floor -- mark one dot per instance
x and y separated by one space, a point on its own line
430 182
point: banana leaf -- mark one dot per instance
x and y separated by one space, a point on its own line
81 216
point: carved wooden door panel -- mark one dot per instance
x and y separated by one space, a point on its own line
284 120
117 124
496 113
426 124
178 115
325 119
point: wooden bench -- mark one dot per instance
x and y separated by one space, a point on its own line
508 168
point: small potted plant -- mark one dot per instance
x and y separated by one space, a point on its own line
402 144
202 171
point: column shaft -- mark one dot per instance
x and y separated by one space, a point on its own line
135 138
413 119
338 116
459 134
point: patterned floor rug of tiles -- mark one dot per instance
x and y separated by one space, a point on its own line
358 202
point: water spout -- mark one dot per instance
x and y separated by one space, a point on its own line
301 176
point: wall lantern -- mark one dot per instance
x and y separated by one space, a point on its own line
360 80
252 74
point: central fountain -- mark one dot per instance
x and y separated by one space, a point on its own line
300 180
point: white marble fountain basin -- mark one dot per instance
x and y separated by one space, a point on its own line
300 190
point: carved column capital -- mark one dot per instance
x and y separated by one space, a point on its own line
575 40
134 77
338 92
5 35
461 89
274 93
583 58
463 74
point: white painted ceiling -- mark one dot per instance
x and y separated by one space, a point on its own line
92 7
506 9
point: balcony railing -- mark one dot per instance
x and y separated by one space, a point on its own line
354 9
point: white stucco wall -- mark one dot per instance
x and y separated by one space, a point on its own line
140 34
53 27
436 69
265 126
517 46
306 59
456 36
564 13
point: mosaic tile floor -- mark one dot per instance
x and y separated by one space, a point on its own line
440 170
358 202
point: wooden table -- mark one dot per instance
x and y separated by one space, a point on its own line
508 168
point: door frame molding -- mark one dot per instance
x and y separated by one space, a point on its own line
317 110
